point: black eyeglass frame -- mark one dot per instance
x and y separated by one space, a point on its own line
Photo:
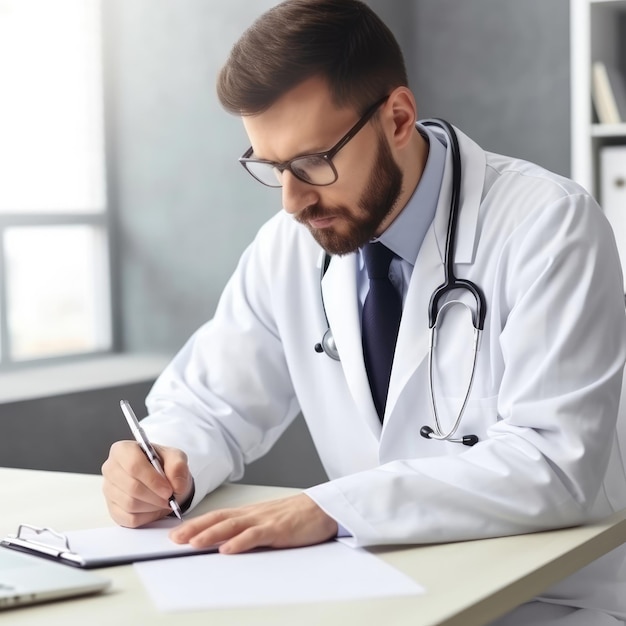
327 155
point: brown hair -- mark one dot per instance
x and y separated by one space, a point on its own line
343 41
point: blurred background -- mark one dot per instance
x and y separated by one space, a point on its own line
123 210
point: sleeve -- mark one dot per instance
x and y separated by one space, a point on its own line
559 306
227 397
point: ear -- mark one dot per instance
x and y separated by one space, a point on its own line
400 117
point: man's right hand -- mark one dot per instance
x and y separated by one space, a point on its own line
135 492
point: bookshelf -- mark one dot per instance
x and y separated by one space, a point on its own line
597 33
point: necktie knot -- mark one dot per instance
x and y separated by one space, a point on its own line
377 260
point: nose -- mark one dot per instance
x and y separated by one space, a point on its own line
297 194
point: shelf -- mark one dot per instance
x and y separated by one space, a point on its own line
608 130
597 33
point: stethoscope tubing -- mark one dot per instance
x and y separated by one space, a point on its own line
451 281
437 431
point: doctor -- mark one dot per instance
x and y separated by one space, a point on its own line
322 91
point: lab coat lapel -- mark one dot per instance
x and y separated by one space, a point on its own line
428 273
339 289
413 335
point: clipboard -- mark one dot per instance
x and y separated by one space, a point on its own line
101 547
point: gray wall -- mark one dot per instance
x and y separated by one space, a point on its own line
498 69
183 210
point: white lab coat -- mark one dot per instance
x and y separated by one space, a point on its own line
544 400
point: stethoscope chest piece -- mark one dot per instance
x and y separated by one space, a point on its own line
328 346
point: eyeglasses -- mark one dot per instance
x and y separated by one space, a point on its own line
314 169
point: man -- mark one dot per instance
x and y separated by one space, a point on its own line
322 91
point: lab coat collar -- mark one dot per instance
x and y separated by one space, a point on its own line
428 274
473 163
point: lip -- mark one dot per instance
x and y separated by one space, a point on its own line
323 222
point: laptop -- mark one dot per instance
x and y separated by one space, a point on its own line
26 579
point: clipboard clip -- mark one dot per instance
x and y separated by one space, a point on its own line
56 545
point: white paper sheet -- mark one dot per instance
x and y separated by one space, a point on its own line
114 544
326 572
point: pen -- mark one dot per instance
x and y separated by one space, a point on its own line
148 449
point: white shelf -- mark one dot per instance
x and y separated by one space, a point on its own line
596 30
608 130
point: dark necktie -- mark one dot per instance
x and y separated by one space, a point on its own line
382 311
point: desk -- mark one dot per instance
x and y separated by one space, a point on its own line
468 583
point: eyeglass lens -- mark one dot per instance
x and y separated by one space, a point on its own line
314 169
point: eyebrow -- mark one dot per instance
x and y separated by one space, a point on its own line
303 153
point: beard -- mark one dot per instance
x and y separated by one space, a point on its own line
376 202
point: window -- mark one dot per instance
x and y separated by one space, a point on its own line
54 287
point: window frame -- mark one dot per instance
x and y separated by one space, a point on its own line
97 217
99 220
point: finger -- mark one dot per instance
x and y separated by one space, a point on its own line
208 529
130 502
129 512
250 538
133 465
133 520
133 497
118 478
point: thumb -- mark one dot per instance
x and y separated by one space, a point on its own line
176 470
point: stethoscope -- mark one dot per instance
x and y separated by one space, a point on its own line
328 346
